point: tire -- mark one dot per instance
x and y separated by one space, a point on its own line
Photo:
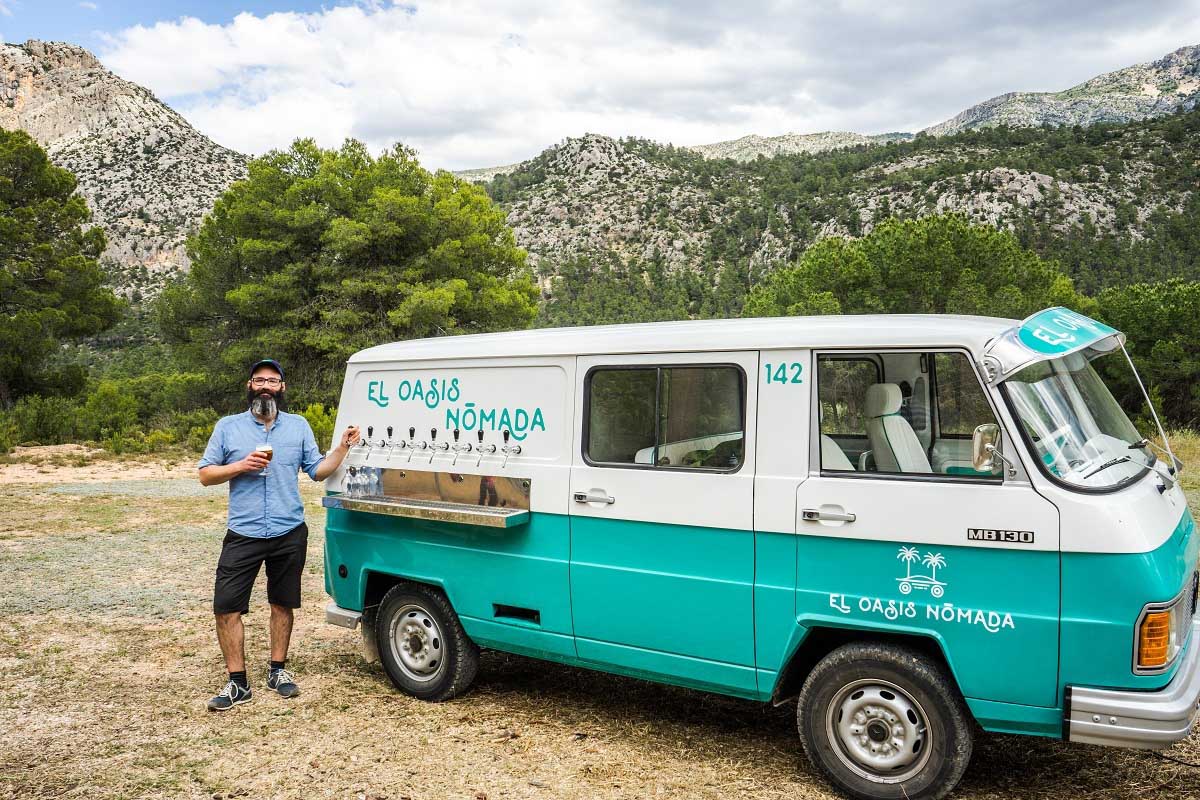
885 722
422 645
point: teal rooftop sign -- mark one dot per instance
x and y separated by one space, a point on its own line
1047 334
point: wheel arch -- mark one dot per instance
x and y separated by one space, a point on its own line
817 641
376 583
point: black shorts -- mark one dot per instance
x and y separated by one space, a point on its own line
237 568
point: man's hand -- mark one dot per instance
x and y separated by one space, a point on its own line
350 437
254 462
214 474
333 459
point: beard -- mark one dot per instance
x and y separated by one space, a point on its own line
264 402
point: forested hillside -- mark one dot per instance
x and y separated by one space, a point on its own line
1112 203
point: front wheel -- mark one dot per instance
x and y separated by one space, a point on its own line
885 722
422 645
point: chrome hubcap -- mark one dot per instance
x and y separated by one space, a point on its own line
878 731
416 642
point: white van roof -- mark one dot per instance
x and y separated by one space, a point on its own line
847 331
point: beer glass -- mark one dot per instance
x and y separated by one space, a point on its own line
267 451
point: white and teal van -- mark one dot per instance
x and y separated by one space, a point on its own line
910 523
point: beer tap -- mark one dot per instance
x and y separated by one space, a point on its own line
459 447
392 445
367 443
413 445
482 448
435 445
509 449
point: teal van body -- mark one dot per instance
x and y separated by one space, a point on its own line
721 505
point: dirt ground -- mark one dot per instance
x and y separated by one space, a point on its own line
107 655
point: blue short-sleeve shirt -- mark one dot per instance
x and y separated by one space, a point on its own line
264 506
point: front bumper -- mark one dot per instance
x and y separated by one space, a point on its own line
1145 720
342 617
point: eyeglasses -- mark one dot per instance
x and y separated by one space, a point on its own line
265 381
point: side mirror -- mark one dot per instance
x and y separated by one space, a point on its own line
983 446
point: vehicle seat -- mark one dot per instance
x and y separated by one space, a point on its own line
894 445
832 456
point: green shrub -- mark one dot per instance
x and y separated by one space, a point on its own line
8 433
181 423
108 410
198 436
157 441
321 420
45 420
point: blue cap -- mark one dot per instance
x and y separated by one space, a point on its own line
267 362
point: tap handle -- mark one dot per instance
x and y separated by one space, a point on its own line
506 433
433 434
389 429
412 433
456 432
481 435
370 431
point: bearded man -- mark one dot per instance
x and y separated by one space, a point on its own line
260 452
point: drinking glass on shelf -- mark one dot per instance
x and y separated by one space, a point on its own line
266 450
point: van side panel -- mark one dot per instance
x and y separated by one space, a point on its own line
774 605
682 606
509 586
479 569
997 622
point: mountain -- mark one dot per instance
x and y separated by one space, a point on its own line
147 174
753 146
1114 202
1138 92
150 177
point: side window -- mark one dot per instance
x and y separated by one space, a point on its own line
842 384
871 407
961 403
666 417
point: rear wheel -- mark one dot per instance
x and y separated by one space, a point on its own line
885 722
422 644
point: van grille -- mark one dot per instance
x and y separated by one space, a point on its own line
1195 592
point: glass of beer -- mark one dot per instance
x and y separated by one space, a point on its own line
266 450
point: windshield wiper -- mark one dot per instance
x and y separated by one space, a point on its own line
1140 444
1106 465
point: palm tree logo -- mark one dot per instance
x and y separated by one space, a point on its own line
935 561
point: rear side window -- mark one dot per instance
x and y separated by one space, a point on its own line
687 417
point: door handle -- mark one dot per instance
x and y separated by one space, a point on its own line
594 496
816 514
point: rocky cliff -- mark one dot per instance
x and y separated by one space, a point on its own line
1138 92
147 174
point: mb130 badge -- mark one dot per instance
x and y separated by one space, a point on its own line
997 535
910 555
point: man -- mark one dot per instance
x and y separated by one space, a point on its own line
266 522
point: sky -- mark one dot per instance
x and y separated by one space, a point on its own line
476 83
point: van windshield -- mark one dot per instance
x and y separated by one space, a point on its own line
1075 425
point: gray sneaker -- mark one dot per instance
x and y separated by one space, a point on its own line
283 682
232 695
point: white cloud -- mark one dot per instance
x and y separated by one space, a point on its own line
6 8
89 6
475 83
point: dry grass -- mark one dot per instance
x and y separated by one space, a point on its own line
107 655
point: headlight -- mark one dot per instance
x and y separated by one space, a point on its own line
1162 631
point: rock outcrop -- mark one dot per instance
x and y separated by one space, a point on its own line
147 174
1138 92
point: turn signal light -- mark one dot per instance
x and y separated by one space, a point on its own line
1154 640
